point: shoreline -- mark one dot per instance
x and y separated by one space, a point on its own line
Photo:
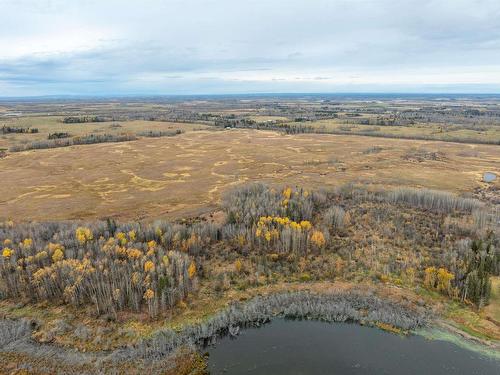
164 345
443 331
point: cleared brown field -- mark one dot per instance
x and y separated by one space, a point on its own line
187 174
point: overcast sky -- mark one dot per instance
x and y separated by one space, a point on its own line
52 47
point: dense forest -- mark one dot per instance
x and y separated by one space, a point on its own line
404 236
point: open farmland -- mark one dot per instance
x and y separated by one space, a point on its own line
186 174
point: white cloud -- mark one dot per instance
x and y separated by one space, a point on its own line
172 46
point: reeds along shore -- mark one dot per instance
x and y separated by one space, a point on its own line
340 306
336 307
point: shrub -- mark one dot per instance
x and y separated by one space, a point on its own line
82 119
160 133
12 129
318 239
58 135
373 150
238 266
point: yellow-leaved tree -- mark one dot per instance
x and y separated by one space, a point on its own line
444 279
6 253
318 239
83 235
238 265
430 277
192 270
58 255
149 266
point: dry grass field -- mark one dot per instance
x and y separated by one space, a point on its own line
186 174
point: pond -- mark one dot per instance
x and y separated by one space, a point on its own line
295 347
489 177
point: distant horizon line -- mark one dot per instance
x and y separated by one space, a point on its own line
256 94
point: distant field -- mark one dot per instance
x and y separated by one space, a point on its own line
268 118
448 132
179 176
467 120
53 124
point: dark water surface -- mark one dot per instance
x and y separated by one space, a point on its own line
309 347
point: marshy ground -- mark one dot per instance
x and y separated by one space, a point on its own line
186 174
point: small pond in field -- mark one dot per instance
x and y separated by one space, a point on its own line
292 347
489 177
